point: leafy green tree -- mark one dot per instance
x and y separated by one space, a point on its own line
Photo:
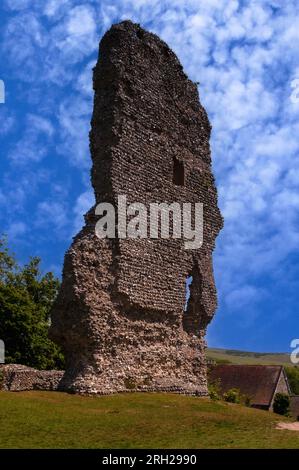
293 378
26 297
281 404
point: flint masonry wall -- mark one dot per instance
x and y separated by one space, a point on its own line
119 316
16 378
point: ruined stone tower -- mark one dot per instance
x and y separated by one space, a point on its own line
120 315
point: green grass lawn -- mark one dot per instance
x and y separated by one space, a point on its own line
137 420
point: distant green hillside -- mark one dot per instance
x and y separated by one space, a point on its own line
234 356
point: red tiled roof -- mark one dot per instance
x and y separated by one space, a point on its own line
257 382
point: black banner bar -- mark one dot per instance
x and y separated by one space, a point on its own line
140 458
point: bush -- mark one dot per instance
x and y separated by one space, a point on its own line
247 400
281 404
214 390
233 396
293 378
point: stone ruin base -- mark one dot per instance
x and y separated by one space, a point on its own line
157 367
129 386
18 378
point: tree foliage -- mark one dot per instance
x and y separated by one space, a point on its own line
293 378
281 404
26 297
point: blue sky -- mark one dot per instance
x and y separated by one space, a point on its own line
245 56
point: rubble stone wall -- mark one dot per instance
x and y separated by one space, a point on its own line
17 378
120 316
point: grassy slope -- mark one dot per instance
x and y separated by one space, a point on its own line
244 357
50 419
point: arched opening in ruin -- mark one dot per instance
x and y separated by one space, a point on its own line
193 311
188 283
178 172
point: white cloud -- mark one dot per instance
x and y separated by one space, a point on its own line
40 124
241 297
83 203
18 187
75 38
52 215
29 148
53 8
81 21
7 121
17 4
16 230
74 118
84 81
